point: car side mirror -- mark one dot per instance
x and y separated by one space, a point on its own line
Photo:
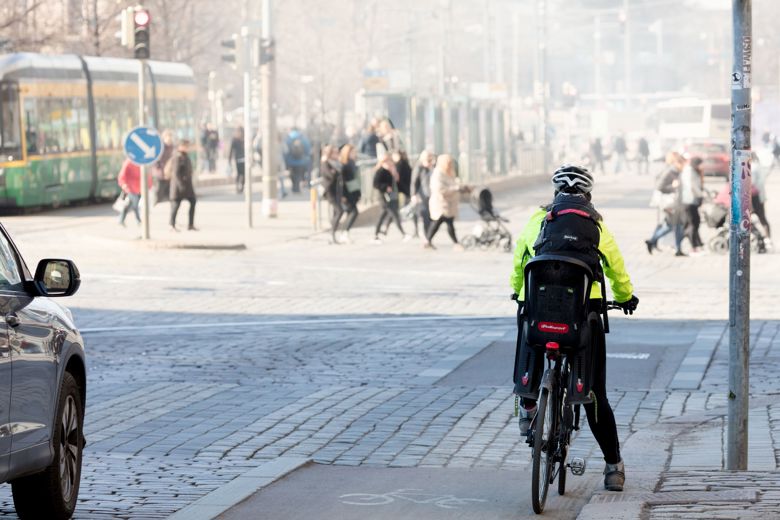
55 277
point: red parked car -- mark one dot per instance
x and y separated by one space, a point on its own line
716 157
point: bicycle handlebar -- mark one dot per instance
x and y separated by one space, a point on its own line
611 304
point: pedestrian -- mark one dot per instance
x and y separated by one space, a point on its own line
181 184
297 158
665 198
390 139
281 166
620 149
421 190
237 154
597 155
351 176
164 182
369 140
210 142
386 183
333 187
691 198
443 205
130 181
404 169
643 156
759 172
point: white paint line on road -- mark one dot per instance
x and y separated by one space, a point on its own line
149 278
628 355
267 323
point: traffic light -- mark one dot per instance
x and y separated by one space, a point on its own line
141 23
232 50
267 51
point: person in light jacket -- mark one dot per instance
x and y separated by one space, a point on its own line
445 195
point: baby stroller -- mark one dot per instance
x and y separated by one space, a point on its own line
490 232
715 216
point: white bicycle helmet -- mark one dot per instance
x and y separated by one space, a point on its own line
572 179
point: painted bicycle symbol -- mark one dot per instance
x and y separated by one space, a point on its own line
416 496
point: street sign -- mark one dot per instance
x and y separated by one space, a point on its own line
143 145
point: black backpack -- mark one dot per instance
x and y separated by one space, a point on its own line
571 228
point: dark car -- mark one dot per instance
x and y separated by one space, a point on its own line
716 157
42 385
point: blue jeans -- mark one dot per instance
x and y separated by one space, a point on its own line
134 199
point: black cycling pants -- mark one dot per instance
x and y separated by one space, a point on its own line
601 419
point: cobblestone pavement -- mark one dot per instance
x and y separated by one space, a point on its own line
204 363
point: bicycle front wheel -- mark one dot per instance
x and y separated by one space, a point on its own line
544 448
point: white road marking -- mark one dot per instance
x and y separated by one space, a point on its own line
628 355
270 323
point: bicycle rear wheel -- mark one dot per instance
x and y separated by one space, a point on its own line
542 464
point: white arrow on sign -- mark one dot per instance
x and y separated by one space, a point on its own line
150 152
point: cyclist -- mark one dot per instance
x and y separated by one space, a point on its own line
573 185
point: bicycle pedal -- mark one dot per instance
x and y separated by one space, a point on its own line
577 466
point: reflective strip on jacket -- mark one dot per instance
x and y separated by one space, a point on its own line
611 259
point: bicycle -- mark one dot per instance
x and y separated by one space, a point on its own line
558 419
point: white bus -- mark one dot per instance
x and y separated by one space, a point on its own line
692 119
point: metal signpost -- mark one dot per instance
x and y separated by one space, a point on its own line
143 146
246 38
739 243
268 114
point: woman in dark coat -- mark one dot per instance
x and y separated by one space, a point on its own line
333 184
181 184
351 176
386 183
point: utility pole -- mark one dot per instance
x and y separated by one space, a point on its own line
597 57
739 244
246 39
545 90
499 49
486 42
95 27
141 122
268 86
515 54
627 53
141 51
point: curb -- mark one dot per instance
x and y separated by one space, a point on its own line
634 506
239 489
693 367
196 246
447 365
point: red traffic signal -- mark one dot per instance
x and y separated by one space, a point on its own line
141 23
141 18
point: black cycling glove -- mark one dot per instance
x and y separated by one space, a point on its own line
630 306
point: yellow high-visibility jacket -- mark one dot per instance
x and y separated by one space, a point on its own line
611 259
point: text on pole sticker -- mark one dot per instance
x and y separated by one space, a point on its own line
747 59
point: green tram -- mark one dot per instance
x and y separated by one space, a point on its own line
63 120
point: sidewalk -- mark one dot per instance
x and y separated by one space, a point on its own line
676 467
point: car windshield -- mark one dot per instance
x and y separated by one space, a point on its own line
10 129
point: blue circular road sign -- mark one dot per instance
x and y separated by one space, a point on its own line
143 145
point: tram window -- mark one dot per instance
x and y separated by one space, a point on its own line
31 134
49 126
10 129
72 111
